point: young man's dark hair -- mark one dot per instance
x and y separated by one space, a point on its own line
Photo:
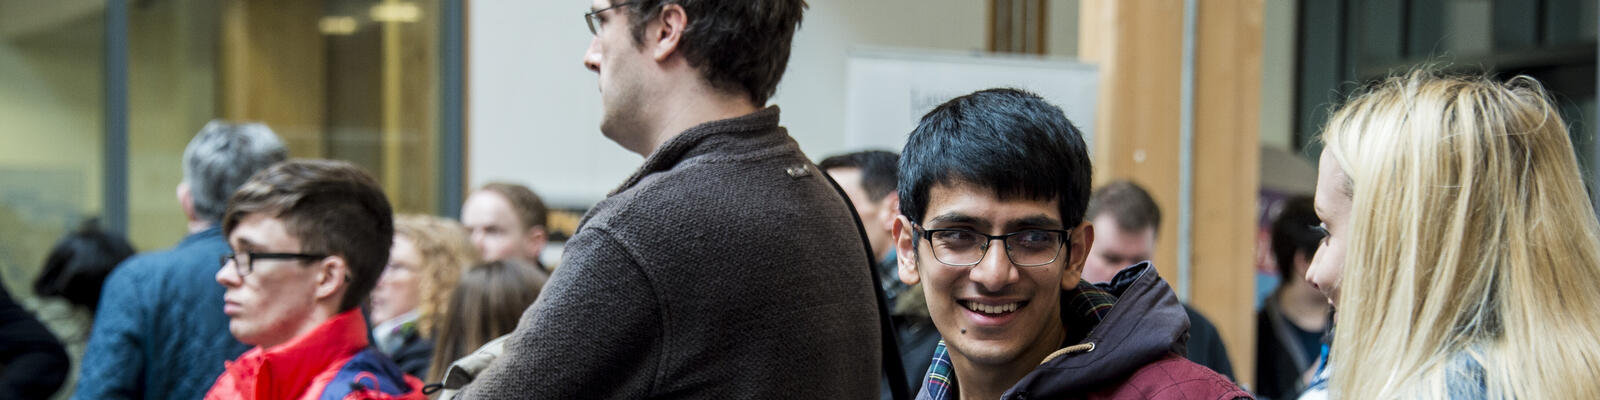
760 29
879 170
1294 232
1004 139
333 207
1130 205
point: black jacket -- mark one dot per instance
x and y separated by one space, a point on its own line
1205 344
32 362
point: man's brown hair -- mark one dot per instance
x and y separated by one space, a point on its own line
1129 205
332 207
527 205
738 45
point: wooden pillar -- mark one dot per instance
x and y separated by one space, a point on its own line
1138 46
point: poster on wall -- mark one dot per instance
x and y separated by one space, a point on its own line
888 91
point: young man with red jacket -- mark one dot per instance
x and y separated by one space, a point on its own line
309 239
1017 319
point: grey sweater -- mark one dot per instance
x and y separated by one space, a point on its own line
726 267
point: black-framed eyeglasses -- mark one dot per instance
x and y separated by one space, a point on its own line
966 247
593 17
245 262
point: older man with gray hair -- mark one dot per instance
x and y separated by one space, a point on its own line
160 332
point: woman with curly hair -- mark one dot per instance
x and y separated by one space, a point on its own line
425 262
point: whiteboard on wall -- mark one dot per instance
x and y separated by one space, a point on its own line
888 91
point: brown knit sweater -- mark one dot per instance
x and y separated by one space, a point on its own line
726 267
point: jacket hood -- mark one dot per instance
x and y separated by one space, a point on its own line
1146 324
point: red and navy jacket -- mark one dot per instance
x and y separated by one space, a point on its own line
332 362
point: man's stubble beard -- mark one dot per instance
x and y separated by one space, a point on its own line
622 118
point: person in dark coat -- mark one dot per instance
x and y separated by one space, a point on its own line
160 332
1293 321
1017 320
726 266
33 364
1126 219
869 179
78 265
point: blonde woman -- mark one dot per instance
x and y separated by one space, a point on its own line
425 262
1462 252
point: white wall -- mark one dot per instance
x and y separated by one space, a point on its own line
534 111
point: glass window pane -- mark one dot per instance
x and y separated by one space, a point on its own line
172 53
355 80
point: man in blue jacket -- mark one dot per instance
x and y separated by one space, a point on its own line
160 332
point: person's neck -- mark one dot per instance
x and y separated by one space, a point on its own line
1304 306
991 381
696 105
321 314
881 255
197 226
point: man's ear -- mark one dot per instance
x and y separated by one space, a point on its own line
667 31
889 210
1078 253
186 200
333 279
537 239
905 253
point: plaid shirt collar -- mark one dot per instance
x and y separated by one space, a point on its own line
1082 308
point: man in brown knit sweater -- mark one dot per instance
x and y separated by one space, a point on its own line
726 266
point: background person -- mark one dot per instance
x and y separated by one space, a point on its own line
870 180
507 222
70 282
485 305
427 259
159 332
1125 220
1462 253
1294 319
33 364
78 265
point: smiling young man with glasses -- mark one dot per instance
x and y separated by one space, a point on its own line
309 239
993 189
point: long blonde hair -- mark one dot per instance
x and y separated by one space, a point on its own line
446 252
1472 238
